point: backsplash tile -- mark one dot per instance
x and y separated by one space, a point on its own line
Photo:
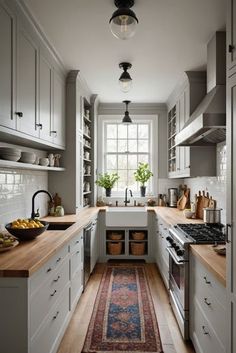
216 186
16 190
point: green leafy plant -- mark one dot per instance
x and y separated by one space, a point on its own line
107 180
143 173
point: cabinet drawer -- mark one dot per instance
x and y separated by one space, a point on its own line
52 331
47 295
76 287
75 262
46 271
207 280
76 242
203 335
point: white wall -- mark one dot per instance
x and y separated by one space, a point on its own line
216 186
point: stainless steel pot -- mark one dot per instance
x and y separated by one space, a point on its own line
212 215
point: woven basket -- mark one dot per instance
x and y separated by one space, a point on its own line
137 248
114 248
115 236
138 235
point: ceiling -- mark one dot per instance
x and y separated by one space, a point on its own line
171 38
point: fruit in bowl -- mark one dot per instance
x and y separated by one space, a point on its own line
26 229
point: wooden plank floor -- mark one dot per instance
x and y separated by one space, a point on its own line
74 337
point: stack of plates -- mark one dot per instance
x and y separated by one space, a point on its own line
28 157
10 154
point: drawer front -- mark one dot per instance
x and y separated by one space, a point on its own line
76 287
52 331
47 295
203 335
207 280
214 311
76 242
75 262
46 271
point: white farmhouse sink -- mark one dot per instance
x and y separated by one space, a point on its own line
126 217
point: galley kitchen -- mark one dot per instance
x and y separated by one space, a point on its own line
117 159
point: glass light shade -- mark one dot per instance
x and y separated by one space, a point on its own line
123 24
125 85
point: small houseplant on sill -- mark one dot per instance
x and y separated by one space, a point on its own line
142 175
107 181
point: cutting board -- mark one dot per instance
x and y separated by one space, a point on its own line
184 200
203 201
212 203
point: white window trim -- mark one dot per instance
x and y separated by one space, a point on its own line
153 143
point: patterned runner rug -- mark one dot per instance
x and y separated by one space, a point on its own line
123 318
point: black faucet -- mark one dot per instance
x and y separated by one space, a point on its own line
126 192
33 197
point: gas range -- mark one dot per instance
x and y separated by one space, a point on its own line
181 235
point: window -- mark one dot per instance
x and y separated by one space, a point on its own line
124 147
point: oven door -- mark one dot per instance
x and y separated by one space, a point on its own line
178 280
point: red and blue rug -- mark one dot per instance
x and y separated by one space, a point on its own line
123 318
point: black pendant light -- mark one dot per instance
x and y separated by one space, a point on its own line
127 118
125 78
123 22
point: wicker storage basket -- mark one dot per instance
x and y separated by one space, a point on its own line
115 236
137 248
138 235
114 248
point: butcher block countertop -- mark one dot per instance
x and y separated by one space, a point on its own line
29 256
173 215
215 263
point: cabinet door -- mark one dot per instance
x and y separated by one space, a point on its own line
94 246
7 40
231 214
45 99
231 33
79 171
27 58
58 131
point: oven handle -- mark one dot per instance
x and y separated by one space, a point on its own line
173 256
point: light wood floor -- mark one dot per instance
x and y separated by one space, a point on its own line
74 337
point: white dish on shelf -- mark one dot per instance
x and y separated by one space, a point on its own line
10 157
44 162
28 157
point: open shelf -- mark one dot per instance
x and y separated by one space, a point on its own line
19 165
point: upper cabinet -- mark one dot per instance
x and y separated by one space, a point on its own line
7 69
231 35
32 85
27 78
186 162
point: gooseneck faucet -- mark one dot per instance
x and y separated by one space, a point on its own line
33 197
126 192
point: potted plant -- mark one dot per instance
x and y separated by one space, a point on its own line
107 181
143 174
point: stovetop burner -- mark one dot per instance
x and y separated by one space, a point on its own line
203 233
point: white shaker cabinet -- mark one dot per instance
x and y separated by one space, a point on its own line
45 98
94 245
7 68
58 123
27 78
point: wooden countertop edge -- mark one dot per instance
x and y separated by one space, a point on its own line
217 271
67 235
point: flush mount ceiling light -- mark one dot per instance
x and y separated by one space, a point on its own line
127 118
125 78
123 22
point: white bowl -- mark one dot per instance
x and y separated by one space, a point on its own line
188 213
44 162
10 157
8 150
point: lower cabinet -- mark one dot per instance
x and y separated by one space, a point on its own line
162 256
37 309
126 243
94 245
207 310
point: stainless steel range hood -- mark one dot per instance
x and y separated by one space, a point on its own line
207 124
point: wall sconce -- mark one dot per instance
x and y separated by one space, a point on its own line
123 22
